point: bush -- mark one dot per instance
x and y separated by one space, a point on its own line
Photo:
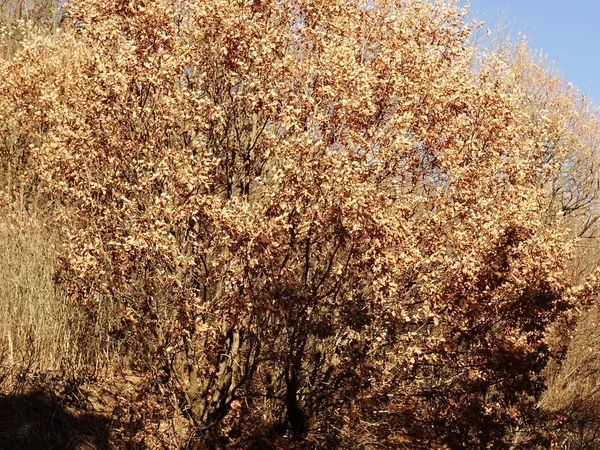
319 224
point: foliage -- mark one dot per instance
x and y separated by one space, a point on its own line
324 227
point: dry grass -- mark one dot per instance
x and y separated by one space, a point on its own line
41 330
36 322
51 353
574 391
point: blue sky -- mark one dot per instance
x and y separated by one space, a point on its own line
567 31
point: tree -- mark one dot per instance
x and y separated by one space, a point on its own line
20 20
570 123
323 226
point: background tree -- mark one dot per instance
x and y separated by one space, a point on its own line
21 20
570 123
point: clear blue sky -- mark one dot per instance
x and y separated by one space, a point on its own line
567 31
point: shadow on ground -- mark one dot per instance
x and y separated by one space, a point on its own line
37 421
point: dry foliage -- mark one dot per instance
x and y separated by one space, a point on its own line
24 20
312 223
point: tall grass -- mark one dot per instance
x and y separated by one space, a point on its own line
39 330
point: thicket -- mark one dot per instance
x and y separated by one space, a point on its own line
297 224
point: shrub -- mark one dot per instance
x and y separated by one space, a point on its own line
321 225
